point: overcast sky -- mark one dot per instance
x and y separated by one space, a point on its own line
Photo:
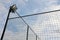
46 26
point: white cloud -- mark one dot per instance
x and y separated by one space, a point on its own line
45 2
21 2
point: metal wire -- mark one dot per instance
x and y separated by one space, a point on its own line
36 14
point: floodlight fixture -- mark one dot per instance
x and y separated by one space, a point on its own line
13 8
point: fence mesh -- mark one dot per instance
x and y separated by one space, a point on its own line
47 26
17 30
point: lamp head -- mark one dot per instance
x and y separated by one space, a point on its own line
13 8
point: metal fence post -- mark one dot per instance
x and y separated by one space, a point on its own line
27 32
36 37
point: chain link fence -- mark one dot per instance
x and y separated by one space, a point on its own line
17 30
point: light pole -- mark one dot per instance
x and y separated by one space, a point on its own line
12 9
